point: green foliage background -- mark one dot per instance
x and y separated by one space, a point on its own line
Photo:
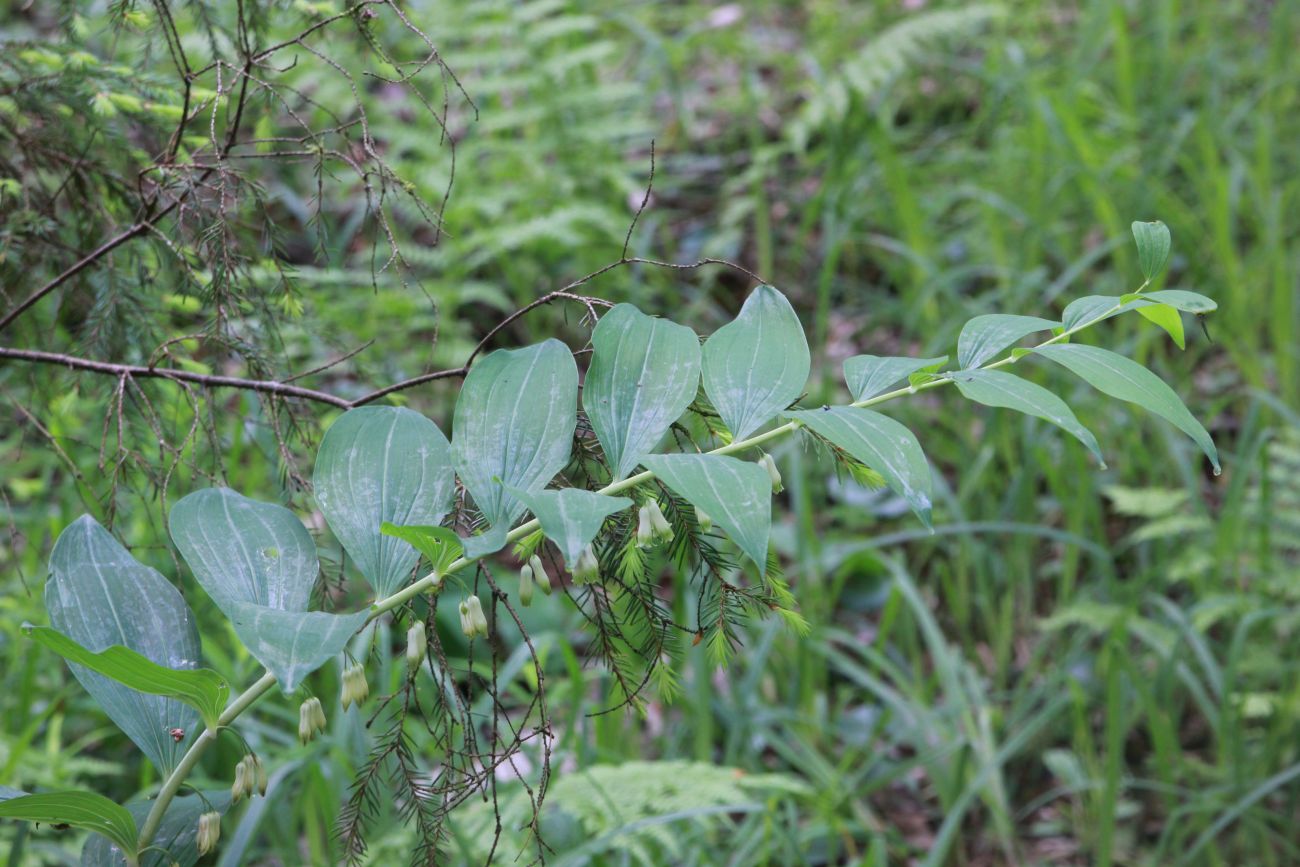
1079 667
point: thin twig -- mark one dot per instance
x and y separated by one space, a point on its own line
138 372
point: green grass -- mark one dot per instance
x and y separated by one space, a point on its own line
1059 674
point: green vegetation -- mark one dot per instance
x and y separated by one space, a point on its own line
1079 665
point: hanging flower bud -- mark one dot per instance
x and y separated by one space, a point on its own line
542 580
311 719
645 536
477 621
259 774
466 622
209 832
355 687
304 722
526 584
703 519
767 463
362 691
241 785
417 645
348 690
587 569
663 531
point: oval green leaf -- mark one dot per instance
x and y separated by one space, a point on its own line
1153 247
571 517
258 563
644 372
998 389
882 444
100 596
985 336
756 365
377 464
514 422
242 550
1181 299
175 841
439 545
293 644
200 688
1167 318
736 494
1125 379
80 810
1094 308
869 375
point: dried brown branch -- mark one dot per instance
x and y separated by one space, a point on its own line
72 362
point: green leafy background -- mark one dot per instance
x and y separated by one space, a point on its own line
1078 666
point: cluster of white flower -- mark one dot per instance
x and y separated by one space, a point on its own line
311 719
472 621
355 687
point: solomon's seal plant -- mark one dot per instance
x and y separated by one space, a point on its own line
601 499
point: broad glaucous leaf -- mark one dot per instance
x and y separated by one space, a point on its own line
85 810
7 792
644 372
200 688
1095 308
439 545
293 644
570 517
882 444
100 596
1122 378
242 550
377 464
756 365
513 425
258 563
985 336
175 841
998 389
736 494
1153 247
869 375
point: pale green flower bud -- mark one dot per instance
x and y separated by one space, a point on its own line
311 719
417 645
317 715
645 536
305 727
767 463
355 687
702 517
663 531
209 832
477 620
241 786
259 775
526 584
466 622
587 569
543 581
